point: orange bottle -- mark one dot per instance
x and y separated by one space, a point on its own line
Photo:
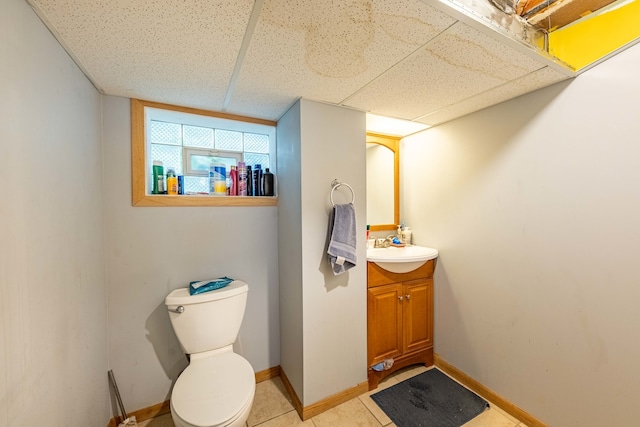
172 182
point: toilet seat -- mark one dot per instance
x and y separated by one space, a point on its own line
213 391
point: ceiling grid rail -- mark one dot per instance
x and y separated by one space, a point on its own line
244 47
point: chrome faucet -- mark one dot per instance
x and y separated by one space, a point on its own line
383 243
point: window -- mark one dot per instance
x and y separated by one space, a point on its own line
187 140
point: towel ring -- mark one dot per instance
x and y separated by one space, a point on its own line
336 184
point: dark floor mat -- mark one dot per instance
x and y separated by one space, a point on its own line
430 399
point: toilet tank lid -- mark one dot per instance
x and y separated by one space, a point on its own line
181 296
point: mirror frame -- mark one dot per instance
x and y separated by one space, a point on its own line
392 143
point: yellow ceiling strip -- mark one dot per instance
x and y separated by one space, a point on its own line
596 35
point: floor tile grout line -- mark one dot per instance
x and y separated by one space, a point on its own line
269 419
367 408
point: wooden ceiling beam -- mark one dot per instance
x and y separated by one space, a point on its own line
559 12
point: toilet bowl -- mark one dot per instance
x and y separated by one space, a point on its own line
218 386
214 391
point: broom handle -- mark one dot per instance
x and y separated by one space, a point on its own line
115 388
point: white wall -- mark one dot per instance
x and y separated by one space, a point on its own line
329 143
534 205
151 251
335 307
53 322
290 247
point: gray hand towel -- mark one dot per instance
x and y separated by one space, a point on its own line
342 246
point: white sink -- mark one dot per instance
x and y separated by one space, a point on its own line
401 260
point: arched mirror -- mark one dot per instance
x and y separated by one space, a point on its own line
383 181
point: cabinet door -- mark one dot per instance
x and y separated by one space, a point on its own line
418 314
384 322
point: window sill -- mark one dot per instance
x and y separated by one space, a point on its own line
163 200
139 198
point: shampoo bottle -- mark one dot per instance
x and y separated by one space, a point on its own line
172 182
158 177
257 180
242 179
268 183
249 181
233 180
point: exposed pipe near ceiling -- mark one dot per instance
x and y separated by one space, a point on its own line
529 13
515 7
507 6
512 6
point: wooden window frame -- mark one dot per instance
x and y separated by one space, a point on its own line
139 198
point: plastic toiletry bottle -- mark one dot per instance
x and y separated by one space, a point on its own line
399 231
257 180
233 179
180 184
172 182
249 181
158 177
242 179
268 183
211 181
218 179
406 236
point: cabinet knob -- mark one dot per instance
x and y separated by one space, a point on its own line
408 296
400 297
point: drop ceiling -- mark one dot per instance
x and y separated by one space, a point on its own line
420 60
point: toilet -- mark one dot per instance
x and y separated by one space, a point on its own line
217 388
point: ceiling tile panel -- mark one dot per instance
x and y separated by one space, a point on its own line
461 63
177 51
326 50
400 58
538 79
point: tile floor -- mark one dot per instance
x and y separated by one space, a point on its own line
272 408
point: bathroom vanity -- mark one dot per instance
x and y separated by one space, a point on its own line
399 317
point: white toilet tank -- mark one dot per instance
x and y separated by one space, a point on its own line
210 320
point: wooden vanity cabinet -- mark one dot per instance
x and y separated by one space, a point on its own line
399 318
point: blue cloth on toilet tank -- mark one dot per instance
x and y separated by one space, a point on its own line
199 287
